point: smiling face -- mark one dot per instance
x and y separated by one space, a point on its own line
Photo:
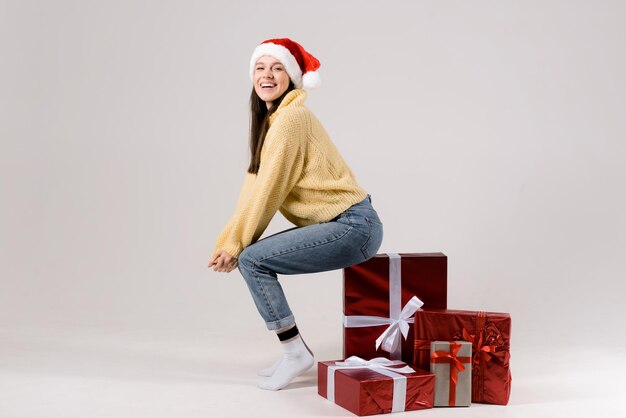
270 79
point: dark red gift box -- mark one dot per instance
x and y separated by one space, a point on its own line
365 391
489 333
367 293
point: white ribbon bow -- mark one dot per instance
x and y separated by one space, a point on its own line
379 365
356 362
390 339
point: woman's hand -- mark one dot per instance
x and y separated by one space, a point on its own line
223 262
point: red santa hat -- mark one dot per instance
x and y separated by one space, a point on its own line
300 65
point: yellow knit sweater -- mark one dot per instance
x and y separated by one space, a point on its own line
301 174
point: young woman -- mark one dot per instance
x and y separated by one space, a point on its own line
295 169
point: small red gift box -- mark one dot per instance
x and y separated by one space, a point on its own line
378 386
489 333
378 298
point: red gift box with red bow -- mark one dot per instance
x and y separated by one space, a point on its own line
489 333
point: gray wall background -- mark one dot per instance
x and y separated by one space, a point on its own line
491 131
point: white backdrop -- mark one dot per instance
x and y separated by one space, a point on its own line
491 131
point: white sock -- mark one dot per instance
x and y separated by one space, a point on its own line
268 371
296 360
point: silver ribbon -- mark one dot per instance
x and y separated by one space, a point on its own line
399 318
379 365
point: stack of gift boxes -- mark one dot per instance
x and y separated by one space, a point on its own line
404 350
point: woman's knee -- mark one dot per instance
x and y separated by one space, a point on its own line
247 259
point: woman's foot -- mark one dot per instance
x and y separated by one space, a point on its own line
291 366
296 359
268 371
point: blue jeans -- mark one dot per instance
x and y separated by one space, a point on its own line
351 238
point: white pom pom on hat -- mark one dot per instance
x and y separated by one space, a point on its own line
300 65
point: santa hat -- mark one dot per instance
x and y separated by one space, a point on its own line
299 64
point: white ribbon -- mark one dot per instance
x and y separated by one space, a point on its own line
398 320
390 339
379 365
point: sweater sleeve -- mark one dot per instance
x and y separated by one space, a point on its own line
263 194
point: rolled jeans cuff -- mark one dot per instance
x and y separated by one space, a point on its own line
281 323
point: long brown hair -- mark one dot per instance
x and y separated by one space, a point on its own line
259 125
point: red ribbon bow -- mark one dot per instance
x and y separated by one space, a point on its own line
456 366
483 351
